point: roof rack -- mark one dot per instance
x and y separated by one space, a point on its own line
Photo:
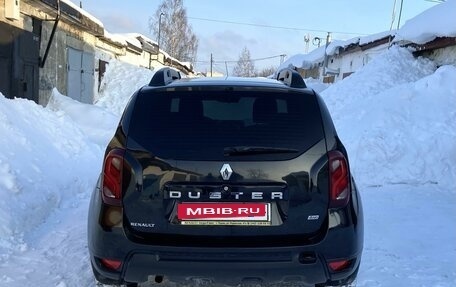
164 76
291 78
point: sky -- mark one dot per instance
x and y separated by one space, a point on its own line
343 18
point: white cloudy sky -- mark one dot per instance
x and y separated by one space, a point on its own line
345 18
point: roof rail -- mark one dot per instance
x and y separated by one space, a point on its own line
291 78
164 76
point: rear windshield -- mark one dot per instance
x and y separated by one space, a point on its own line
201 125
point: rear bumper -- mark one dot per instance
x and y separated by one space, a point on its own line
307 264
230 266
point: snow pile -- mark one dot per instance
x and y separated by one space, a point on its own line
398 120
119 83
396 66
438 21
46 162
316 85
97 123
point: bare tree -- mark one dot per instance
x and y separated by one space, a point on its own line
244 66
266 72
174 34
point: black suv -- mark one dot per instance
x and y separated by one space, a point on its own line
232 181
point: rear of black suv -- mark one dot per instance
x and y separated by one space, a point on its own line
227 181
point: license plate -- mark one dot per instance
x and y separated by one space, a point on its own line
224 213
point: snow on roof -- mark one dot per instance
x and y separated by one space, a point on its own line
133 38
148 40
138 35
305 61
333 47
438 21
308 61
186 64
115 38
130 38
374 37
83 12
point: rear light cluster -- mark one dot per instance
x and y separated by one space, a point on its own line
111 264
340 265
339 180
112 177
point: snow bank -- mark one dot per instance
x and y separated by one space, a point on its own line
317 85
119 83
397 118
97 123
46 162
438 21
394 67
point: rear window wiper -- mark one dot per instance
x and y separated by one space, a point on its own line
251 150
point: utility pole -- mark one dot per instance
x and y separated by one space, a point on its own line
400 14
212 62
325 65
158 42
226 68
307 40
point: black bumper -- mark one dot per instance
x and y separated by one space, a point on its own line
306 265
227 266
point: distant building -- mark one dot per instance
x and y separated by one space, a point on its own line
54 43
342 58
441 50
432 34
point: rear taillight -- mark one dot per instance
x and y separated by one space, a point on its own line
339 182
112 177
111 264
337 266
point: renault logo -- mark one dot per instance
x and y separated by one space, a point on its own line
226 171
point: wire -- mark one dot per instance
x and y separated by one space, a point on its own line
275 27
235 61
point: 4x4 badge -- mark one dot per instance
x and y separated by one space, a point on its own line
226 171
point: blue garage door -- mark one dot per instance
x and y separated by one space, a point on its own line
80 75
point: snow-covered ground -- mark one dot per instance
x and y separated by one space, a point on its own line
397 117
